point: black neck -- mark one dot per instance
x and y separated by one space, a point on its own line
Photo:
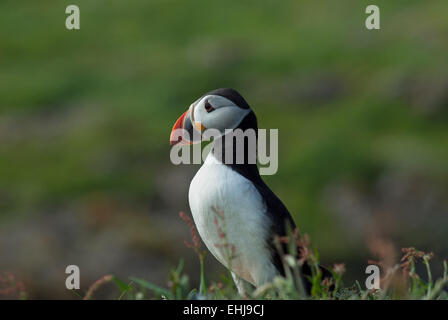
224 143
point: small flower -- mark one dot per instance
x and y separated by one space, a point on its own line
410 256
339 268
221 233
196 245
10 286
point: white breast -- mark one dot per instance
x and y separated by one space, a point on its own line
244 220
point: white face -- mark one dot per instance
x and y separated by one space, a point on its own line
216 112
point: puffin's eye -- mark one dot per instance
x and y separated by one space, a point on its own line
208 107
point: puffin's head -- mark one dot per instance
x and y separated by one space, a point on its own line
219 109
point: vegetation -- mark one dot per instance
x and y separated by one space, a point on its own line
399 281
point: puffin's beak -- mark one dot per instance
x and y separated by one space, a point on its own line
184 122
180 124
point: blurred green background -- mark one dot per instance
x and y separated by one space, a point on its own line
85 117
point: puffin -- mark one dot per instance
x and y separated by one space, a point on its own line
229 198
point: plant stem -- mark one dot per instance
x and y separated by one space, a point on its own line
202 285
428 268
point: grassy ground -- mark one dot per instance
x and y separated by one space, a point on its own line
398 280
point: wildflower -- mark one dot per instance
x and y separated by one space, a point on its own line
10 286
196 245
339 268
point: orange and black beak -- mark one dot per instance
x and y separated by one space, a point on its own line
183 131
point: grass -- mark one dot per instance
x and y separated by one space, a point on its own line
398 280
400 283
